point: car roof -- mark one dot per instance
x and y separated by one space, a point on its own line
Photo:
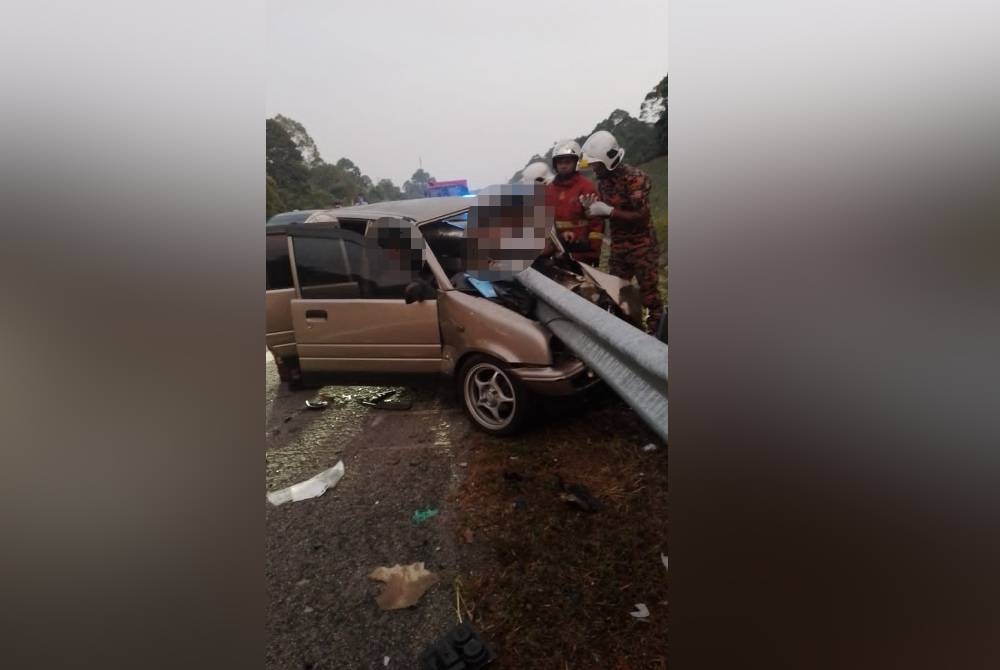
296 216
420 210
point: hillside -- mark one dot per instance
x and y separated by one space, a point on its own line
643 138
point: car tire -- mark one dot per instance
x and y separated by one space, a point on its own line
493 398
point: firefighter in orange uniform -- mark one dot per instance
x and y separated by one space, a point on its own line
581 235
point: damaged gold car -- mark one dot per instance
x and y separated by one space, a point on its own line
381 292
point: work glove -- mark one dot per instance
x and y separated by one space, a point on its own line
599 208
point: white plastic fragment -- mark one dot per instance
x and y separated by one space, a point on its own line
641 611
385 662
663 557
649 447
310 488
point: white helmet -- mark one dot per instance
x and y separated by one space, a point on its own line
537 172
566 149
602 147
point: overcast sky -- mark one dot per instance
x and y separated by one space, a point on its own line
471 88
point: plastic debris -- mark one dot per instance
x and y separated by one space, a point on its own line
650 447
663 557
641 611
462 647
404 585
317 404
421 515
385 662
310 488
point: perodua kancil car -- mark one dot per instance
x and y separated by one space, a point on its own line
381 292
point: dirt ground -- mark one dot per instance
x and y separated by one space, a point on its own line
548 584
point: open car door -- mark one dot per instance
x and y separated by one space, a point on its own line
280 291
350 318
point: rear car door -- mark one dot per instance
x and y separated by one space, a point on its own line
280 291
350 318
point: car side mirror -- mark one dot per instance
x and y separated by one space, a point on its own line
418 291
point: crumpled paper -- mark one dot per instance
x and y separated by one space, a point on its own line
404 585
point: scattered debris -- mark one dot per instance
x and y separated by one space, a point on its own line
385 662
663 557
463 465
641 611
310 488
404 585
380 401
317 404
462 647
468 535
308 610
579 496
650 447
421 515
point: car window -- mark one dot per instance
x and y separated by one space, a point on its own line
395 258
328 268
446 239
354 225
279 269
347 266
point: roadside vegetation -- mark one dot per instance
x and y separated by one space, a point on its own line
556 584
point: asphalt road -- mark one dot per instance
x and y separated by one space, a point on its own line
319 552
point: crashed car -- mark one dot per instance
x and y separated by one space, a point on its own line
377 293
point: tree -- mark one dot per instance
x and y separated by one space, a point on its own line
285 165
334 182
643 138
306 145
654 110
384 190
416 186
275 203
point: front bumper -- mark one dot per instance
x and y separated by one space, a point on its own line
566 378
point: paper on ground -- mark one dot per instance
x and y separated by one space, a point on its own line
404 584
310 488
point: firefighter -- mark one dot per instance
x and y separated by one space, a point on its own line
537 172
581 235
623 199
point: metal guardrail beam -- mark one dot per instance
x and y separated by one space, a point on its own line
631 362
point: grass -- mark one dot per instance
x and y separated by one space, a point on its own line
556 584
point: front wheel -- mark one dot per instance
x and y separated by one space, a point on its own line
493 398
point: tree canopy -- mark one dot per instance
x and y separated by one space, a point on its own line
643 138
298 178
